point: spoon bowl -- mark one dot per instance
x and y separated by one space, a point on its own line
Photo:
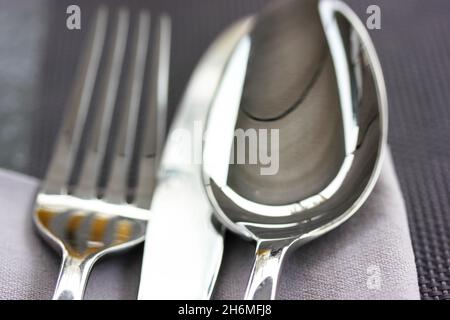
304 89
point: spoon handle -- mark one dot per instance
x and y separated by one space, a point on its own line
263 280
72 279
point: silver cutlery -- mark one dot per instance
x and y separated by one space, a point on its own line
183 248
96 196
309 71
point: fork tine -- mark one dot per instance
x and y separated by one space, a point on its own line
158 92
92 165
116 190
163 64
68 144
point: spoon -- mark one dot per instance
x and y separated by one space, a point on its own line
305 81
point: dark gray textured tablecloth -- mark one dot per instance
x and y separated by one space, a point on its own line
369 257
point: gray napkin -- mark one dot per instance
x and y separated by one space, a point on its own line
369 257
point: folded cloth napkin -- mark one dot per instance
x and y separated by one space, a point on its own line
369 257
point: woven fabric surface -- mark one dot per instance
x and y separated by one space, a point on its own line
414 49
415 54
369 257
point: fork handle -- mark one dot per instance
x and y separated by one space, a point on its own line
72 278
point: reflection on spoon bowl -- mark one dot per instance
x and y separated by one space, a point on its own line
305 90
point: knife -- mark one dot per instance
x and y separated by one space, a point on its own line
184 246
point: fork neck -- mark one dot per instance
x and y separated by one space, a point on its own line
72 278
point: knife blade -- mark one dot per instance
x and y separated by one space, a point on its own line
184 247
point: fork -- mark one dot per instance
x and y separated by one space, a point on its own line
96 196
